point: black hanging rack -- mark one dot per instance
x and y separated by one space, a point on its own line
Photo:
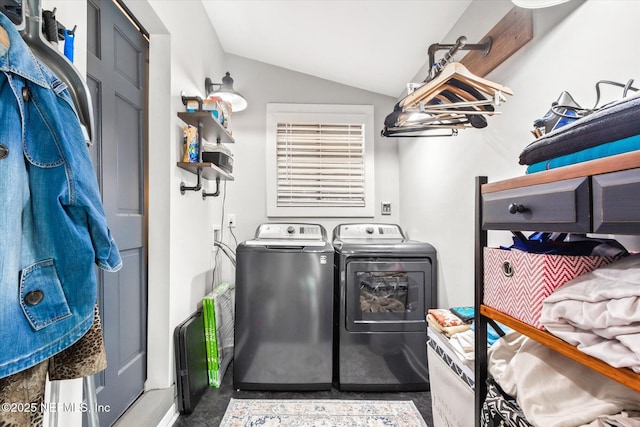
411 118
461 44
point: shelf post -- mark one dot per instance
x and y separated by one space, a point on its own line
197 187
217 192
479 320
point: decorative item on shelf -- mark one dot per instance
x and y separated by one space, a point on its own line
225 109
220 110
190 144
207 105
219 155
226 92
450 98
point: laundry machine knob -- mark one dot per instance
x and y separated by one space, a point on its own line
369 230
291 229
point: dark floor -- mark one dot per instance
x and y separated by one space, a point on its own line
212 406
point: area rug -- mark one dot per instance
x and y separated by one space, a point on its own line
321 413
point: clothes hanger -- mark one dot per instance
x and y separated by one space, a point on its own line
456 105
451 97
423 123
59 64
452 71
420 132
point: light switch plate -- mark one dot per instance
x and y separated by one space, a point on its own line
386 208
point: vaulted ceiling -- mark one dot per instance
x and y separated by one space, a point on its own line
376 45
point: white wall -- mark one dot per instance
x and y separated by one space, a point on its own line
574 46
262 83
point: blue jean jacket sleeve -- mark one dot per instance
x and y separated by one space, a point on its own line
81 195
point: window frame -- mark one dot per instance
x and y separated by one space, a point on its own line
320 113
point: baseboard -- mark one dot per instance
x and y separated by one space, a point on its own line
153 408
170 417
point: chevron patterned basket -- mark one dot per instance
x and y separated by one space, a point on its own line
516 282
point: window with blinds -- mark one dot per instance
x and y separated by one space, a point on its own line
319 160
320 164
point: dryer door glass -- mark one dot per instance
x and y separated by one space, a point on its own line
387 295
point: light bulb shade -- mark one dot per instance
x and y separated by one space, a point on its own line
237 101
226 92
537 4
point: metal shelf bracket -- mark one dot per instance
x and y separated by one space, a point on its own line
215 194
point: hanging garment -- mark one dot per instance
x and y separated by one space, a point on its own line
85 357
23 393
22 397
53 222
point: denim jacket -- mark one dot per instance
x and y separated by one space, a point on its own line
51 217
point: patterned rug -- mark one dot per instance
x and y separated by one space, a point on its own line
321 413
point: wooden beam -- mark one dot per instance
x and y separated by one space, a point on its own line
513 31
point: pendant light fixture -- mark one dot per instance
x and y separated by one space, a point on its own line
226 92
537 4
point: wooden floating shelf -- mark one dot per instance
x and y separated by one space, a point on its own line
212 130
209 170
624 376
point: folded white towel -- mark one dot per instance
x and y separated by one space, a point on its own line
599 312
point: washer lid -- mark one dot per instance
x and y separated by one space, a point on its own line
289 234
368 231
286 243
377 239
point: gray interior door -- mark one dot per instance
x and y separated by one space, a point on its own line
117 76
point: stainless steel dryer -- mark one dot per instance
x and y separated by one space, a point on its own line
385 284
284 309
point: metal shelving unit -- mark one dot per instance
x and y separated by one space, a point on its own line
211 130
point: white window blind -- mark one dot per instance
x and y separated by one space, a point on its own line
320 161
320 164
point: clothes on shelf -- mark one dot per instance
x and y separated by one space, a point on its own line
555 391
460 334
608 131
599 312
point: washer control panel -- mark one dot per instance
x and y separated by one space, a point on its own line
290 231
369 231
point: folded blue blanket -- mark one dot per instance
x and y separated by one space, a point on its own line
607 149
618 121
492 335
465 313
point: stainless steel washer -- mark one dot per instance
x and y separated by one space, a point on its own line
284 309
385 284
